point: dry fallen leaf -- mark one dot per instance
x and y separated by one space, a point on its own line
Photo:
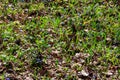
109 73
84 73
56 52
29 78
75 65
82 55
2 69
1 22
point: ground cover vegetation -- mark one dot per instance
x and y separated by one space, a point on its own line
59 39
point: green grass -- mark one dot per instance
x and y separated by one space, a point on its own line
83 34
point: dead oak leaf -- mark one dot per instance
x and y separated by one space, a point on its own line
56 54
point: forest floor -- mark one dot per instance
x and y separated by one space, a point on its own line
60 40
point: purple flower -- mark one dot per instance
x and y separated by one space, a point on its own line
7 79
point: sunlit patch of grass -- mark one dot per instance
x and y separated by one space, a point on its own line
34 7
